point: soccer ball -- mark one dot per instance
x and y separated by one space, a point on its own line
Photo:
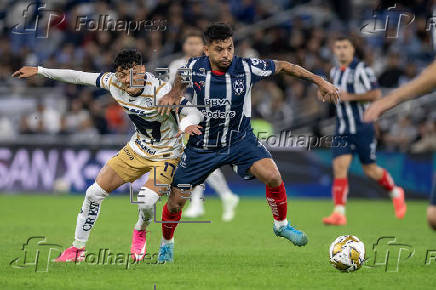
347 253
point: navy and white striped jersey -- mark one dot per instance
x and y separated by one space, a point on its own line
357 78
226 97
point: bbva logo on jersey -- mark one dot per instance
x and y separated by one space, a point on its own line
238 86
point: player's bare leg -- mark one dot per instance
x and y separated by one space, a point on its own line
385 180
107 181
171 212
266 171
339 190
431 210
431 216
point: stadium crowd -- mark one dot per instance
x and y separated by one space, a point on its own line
304 38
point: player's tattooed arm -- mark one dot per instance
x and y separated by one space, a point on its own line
63 75
173 97
327 91
371 95
424 83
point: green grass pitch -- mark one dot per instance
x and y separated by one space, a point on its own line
243 254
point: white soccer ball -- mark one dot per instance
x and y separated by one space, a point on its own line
347 253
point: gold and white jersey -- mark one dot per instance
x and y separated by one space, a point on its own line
155 134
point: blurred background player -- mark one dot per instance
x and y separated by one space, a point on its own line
424 83
193 45
156 144
358 86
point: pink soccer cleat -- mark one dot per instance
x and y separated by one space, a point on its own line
399 203
72 254
139 244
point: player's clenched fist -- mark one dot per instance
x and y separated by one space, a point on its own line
25 72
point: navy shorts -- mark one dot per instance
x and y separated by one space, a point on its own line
196 163
363 144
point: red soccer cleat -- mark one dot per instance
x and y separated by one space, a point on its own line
399 203
72 254
335 219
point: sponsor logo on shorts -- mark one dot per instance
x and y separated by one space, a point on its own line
131 157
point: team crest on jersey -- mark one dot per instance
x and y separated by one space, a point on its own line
148 102
238 86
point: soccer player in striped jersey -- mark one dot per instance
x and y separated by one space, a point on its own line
423 84
155 147
222 85
358 86
193 45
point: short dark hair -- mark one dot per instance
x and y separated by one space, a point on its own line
217 32
127 58
343 38
192 33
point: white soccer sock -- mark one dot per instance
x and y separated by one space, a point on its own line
394 192
164 242
340 209
279 224
88 214
218 182
148 199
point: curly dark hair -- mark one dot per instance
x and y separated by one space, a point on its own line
127 58
217 32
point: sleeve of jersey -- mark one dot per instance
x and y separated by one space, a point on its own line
369 79
104 80
162 89
261 69
190 115
70 76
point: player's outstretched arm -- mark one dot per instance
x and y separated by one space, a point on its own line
173 97
371 95
424 83
63 75
327 90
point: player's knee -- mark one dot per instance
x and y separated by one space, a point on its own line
147 198
431 216
96 193
273 178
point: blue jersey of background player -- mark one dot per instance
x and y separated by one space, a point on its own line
358 86
222 82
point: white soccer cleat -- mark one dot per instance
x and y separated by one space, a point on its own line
194 211
229 205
